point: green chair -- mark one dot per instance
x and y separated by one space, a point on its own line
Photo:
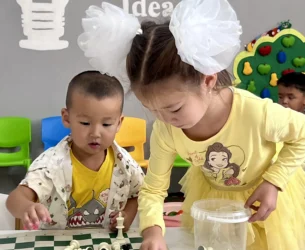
15 133
180 163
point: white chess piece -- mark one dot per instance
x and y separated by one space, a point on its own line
205 248
74 245
43 24
116 245
120 226
104 246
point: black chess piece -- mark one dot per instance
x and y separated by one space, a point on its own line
126 246
201 248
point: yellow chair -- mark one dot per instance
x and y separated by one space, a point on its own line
132 135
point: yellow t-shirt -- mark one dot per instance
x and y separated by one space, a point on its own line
240 154
88 200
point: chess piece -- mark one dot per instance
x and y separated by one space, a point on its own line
127 247
116 246
74 245
120 226
104 246
205 248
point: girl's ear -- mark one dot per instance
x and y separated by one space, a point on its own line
209 82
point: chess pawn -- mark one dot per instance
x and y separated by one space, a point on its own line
74 244
104 246
116 245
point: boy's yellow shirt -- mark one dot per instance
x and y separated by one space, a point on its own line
50 177
88 200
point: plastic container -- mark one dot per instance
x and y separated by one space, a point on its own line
220 224
174 220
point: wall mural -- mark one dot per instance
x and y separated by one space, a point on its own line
142 8
43 24
271 57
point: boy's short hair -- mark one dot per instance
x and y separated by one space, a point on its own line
95 84
293 80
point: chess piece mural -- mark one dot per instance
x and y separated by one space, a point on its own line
43 24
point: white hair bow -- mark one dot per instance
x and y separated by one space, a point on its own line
107 39
206 33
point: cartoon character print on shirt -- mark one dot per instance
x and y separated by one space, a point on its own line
219 166
103 197
122 189
90 214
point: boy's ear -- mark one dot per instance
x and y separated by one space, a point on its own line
65 117
120 123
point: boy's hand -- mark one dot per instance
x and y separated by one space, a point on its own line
266 193
128 213
34 214
113 221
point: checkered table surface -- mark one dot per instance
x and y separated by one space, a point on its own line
59 240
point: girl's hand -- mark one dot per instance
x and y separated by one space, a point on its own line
153 239
266 193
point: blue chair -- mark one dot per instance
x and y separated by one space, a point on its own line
52 131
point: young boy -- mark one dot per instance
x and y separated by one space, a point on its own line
291 89
87 178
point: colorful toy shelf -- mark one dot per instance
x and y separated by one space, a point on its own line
258 71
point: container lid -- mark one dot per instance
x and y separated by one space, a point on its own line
220 210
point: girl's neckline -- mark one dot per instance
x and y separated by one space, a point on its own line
221 131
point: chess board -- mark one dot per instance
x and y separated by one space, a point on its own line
60 239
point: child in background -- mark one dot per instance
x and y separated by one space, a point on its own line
291 89
228 135
87 178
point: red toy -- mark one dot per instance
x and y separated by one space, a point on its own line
265 50
287 71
